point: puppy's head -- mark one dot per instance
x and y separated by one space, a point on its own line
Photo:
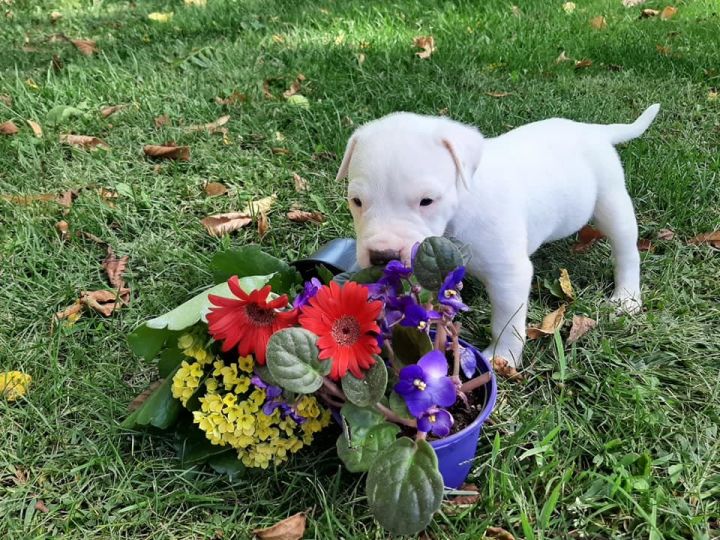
406 174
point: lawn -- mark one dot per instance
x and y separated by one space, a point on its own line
621 443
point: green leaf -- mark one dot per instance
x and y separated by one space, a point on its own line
227 463
292 357
360 420
265 375
325 275
398 406
147 342
404 486
196 448
252 261
360 454
194 309
169 360
160 410
367 275
365 392
409 344
436 257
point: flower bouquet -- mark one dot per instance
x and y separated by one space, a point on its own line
250 377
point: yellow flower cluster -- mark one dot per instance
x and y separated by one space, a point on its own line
231 412
13 384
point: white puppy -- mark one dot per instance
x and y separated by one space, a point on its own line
414 176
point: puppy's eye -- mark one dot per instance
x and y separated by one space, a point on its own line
357 202
426 202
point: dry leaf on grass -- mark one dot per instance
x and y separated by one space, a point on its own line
497 94
214 189
598 23
580 326
63 230
57 62
303 216
37 129
20 478
160 17
266 89
550 323
6 100
142 397
212 127
91 237
14 385
664 50
665 234
465 500
643 244
300 183
502 368
280 151
562 58
427 44
498 533
160 121
233 98
711 238
105 302
222 224
646 13
566 284
8 128
263 225
83 141
292 528
65 198
86 47
112 109
587 236
167 151
582 64
295 86
115 268
568 7
55 16
40 506
632 3
668 13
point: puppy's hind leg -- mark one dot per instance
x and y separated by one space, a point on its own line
615 216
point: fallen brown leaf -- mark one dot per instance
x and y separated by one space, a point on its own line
57 62
325 155
263 225
64 199
711 238
643 244
587 236
37 130
646 13
63 229
550 323
582 64
84 141
212 127
280 151
167 151
112 109
20 477
72 312
142 397
295 86
502 368
8 128
105 302
55 16
303 216
160 121
668 12
562 58
233 98
115 268
569 7
266 88
260 206
91 237
427 44
86 47
300 183
6 100
278 38
498 94
665 234
566 284
665 50
214 189
292 528
580 326
222 224
598 23
464 500
40 506
498 533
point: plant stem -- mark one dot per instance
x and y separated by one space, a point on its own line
328 399
390 415
333 388
440 335
477 382
420 436
456 350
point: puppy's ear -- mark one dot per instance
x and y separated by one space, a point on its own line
345 165
465 145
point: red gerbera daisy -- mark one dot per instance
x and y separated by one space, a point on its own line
344 321
249 321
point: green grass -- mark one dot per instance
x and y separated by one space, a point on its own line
626 446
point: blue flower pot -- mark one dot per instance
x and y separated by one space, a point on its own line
456 452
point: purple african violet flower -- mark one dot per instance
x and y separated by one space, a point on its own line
311 288
425 385
436 421
274 401
406 310
449 294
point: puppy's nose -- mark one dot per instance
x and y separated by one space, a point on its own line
382 257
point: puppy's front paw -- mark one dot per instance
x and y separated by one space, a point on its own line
627 304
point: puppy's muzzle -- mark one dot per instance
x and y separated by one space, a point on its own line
382 257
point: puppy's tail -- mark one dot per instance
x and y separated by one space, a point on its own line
620 133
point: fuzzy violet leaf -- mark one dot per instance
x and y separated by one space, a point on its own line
436 257
360 451
292 358
409 344
251 260
404 486
365 392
